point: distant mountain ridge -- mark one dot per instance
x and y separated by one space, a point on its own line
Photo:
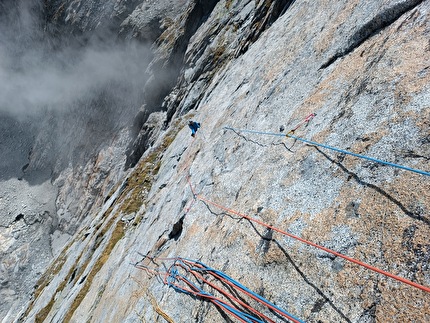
141 185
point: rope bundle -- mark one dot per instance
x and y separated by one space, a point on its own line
194 278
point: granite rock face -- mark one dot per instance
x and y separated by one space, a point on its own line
66 108
362 67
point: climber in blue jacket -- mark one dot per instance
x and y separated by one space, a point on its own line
193 126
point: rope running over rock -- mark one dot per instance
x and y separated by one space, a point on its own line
350 259
190 276
313 143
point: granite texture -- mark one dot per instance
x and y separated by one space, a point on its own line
363 68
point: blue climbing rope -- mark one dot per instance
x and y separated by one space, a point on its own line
190 276
332 148
247 290
173 276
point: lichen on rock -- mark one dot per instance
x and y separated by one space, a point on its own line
361 67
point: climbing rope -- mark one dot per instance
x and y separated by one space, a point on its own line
313 143
305 121
350 259
190 276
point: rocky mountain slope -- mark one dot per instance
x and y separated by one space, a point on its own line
152 190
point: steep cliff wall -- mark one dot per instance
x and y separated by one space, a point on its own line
66 103
362 67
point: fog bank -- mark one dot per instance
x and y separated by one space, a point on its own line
74 91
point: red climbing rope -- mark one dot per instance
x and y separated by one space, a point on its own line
306 120
350 259
190 276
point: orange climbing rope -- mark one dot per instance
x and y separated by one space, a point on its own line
191 276
306 120
350 259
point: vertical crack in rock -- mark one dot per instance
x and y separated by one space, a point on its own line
266 14
382 20
210 54
417 215
161 84
165 72
320 303
276 72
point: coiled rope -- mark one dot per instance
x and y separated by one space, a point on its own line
189 277
313 143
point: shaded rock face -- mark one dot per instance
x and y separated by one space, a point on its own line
66 104
361 67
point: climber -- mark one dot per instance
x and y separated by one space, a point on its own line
193 126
